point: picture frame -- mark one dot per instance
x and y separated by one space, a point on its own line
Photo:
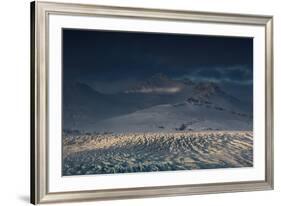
41 142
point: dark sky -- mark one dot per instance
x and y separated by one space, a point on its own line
111 61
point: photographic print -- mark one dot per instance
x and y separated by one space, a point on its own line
143 102
137 102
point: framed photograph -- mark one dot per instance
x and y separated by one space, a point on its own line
134 102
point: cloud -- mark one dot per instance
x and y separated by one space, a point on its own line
239 74
168 90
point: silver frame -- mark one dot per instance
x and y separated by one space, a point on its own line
40 12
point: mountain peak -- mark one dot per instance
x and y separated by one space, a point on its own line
80 89
159 76
83 86
188 82
206 89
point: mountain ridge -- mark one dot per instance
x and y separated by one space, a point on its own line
85 107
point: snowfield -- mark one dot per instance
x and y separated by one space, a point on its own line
156 151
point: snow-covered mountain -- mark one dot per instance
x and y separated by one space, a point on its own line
189 115
83 106
157 104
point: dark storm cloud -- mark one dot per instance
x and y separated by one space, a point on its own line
112 61
239 74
